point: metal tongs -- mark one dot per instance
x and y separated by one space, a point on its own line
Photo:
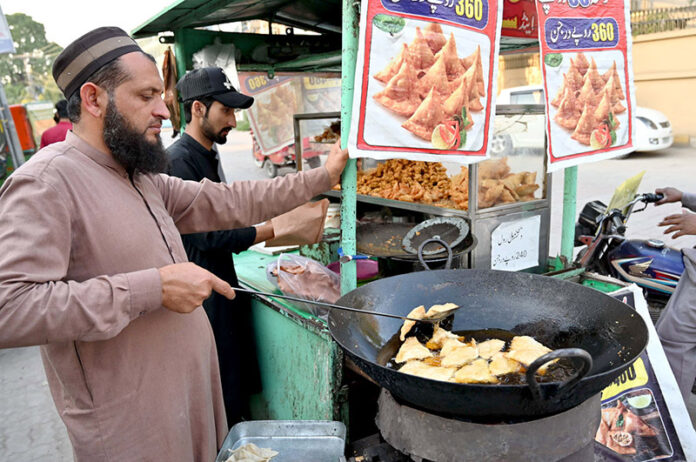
435 318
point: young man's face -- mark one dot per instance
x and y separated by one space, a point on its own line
218 122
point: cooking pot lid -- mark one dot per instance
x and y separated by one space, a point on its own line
452 230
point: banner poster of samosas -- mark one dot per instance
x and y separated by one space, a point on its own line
277 100
588 78
643 416
425 82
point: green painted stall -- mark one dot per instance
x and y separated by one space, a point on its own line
303 370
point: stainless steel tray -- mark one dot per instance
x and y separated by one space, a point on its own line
295 440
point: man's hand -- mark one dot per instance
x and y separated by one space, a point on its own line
336 162
671 195
681 225
186 285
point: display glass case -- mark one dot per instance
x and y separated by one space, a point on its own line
315 133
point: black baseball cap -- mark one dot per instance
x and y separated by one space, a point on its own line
211 81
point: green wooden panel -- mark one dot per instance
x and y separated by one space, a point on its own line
300 369
301 366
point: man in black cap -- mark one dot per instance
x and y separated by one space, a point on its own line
210 106
99 276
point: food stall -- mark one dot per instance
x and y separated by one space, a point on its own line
505 200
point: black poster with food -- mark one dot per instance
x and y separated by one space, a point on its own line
637 424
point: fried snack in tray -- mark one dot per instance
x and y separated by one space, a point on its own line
330 133
251 453
448 357
496 185
428 183
409 181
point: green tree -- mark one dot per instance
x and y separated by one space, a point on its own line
26 74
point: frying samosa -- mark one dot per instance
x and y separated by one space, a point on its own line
412 349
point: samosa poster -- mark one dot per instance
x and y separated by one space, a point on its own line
588 79
425 79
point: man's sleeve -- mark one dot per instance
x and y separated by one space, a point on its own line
689 201
233 240
208 206
38 304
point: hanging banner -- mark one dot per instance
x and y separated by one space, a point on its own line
6 43
588 79
279 98
424 85
644 417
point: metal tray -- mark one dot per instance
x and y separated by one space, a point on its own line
295 440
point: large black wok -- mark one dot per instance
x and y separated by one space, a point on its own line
559 314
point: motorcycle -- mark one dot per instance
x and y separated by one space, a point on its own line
649 263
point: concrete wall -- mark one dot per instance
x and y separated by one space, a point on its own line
664 68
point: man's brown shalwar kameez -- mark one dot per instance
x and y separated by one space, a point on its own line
81 244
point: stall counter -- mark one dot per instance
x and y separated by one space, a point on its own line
301 365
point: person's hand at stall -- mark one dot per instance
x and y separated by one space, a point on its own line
682 224
336 162
186 285
670 195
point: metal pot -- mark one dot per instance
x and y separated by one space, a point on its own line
383 241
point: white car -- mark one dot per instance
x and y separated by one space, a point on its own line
653 129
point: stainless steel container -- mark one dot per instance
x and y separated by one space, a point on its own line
295 440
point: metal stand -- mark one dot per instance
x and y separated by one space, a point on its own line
10 130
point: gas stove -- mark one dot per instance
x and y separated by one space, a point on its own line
411 435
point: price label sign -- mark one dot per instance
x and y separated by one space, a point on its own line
515 244
588 79
425 83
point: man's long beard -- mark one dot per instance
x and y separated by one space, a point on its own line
131 148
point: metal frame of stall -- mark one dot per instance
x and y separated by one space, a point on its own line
312 388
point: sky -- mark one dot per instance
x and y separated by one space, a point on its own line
66 20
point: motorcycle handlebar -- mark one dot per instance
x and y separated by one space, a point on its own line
618 224
652 198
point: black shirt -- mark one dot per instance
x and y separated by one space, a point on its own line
230 319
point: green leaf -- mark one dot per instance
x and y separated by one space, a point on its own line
462 139
612 121
613 137
390 24
620 421
465 118
553 59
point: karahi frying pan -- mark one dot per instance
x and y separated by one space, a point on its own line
557 313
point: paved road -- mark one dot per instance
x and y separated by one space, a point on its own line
30 429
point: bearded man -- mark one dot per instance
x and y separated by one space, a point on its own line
93 268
